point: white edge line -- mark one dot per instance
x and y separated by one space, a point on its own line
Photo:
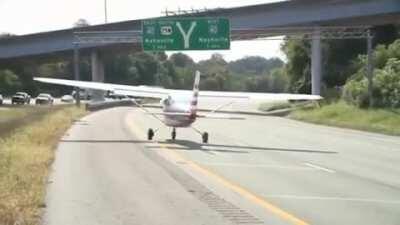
319 168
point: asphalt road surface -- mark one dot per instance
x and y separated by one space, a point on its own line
262 170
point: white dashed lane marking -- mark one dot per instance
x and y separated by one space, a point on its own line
319 168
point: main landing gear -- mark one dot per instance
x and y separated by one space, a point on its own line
151 133
204 135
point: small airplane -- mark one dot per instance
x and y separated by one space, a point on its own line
179 106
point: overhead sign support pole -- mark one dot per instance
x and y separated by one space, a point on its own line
316 62
370 71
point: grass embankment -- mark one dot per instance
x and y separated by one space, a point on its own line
14 117
25 157
386 121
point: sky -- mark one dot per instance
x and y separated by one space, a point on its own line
28 16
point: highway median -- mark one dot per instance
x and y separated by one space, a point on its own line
26 153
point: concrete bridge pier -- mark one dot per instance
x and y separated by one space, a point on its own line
97 65
316 63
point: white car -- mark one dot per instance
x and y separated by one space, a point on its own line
67 98
44 99
1 99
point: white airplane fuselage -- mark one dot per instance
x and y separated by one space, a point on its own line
170 105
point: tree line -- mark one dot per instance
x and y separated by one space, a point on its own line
344 64
252 73
344 68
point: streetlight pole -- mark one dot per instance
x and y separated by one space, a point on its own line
105 11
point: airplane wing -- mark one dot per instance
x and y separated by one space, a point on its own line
204 116
171 114
154 92
140 91
219 116
258 96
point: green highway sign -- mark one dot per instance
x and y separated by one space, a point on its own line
186 34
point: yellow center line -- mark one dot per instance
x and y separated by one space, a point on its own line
234 187
238 189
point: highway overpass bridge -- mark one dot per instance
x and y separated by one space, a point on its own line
287 14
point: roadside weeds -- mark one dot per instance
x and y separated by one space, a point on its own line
340 114
25 158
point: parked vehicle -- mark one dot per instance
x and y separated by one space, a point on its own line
21 98
67 98
1 99
83 95
44 99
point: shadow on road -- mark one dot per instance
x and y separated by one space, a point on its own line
191 145
107 141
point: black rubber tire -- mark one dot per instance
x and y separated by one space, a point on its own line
205 137
150 134
173 135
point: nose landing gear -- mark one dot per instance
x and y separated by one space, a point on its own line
173 133
204 137
150 134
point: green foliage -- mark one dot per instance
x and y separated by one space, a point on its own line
181 60
157 69
9 82
386 80
298 66
133 69
340 114
215 73
254 65
387 84
275 82
122 69
341 58
337 62
338 57
279 81
356 92
145 67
